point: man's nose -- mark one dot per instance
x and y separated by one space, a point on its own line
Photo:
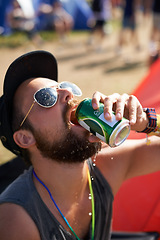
65 94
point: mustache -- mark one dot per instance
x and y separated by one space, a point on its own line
73 102
70 104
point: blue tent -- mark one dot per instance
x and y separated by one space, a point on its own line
3 8
79 10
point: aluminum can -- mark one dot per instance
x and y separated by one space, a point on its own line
112 132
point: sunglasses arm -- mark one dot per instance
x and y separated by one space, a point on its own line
27 113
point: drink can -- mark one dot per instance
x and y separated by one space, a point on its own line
112 132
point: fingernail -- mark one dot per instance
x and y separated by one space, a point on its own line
132 121
94 105
107 115
118 115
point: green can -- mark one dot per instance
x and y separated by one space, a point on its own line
112 132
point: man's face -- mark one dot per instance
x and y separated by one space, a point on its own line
70 147
57 137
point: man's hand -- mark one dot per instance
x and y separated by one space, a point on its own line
124 105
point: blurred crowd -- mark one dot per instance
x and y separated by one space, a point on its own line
104 11
131 10
55 17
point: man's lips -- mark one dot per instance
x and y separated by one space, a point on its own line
73 118
72 106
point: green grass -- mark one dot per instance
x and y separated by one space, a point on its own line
18 39
13 40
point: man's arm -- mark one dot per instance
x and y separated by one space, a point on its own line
133 157
22 227
130 159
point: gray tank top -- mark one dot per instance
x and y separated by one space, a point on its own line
23 192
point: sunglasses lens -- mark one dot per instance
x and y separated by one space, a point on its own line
46 97
71 87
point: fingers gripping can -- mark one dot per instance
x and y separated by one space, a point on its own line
112 132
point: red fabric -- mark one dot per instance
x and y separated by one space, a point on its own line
137 204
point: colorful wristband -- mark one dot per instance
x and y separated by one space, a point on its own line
152 117
157 129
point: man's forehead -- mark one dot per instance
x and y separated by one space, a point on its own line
44 82
30 86
37 83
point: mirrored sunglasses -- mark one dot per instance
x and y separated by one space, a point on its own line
47 97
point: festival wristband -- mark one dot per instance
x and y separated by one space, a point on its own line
152 117
157 129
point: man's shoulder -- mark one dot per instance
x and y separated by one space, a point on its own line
21 226
18 189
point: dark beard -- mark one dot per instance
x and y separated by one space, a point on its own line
72 149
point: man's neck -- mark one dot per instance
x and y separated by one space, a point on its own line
63 179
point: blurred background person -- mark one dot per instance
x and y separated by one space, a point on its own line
128 31
19 20
154 44
98 22
56 17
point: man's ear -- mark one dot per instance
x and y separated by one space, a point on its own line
24 138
